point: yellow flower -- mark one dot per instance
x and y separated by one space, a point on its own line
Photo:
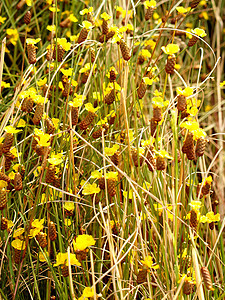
65 45
158 102
73 18
163 153
83 241
196 205
198 133
87 25
112 175
147 80
211 217
11 129
96 174
21 123
55 159
55 122
11 175
13 34
3 184
190 125
86 11
183 10
130 195
148 262
67 222
18 232
29 2
51 28
151 3
67 72
90 189
18 244
41 100
42 82
105 16
77 102
170 49
44 140
62 258
199 32
4 84
53 8
68 206
32 41
2 20
204 15
41 256
111 151
88 292
188 91
89 107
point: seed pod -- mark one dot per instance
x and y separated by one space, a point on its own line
1 149
49 55
4 223
135 158
110 97
149 13
82 36
27 17
102 38
176 19
4 177
170 64
101 183
178 156
57 181
211 225
81 255
87 120
112 120
41 238
67 89
38 113
84 77
31 51
109 35
142 276
18 184
97 134
65 23
50 174
74 115
141 89
20 4
188 146
181 103
111 187
17 255
60 53
112 75
3 198
206 189
200 147
8 163
150 159
90 18
50 126
207 278
65 270
194 3
157 114
92 54
153 126
187 287
160 163
69 213
27 105
194 220
40 150
115 158
184 114
34 143
141 59
192 41
105 27
8 141
124 50
52 231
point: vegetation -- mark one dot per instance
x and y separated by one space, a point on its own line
112 150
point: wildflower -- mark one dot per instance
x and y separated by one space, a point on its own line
210 217
63 259
55 159
4 84
11 129
204 15
158 102
13 35
90 189
182 10
112 175
2 20
42 82
148 262
68 206
67 222
18 232
105 16
88 292
89 107
83 241
170 49
18 244
41 256
86 11
188 91
196 205
64 44
32 41
96 174
37 227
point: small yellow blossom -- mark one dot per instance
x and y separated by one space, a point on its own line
90 189
199 32
42 82
188 91
163 153
18 244
151 3
111 151
105 16
41 256
204 15
148 262
89 107
2 20
13 35
196 205
18 232
86 11
88 292
69 206
112 175
4 84
96 174
11 129
72 18
3 184
32 41
62 258
21 123
51 28
83 241
86 24
67 72
67 222
170 49
158 102
148 81
53 8
65 45
182 10
55 159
